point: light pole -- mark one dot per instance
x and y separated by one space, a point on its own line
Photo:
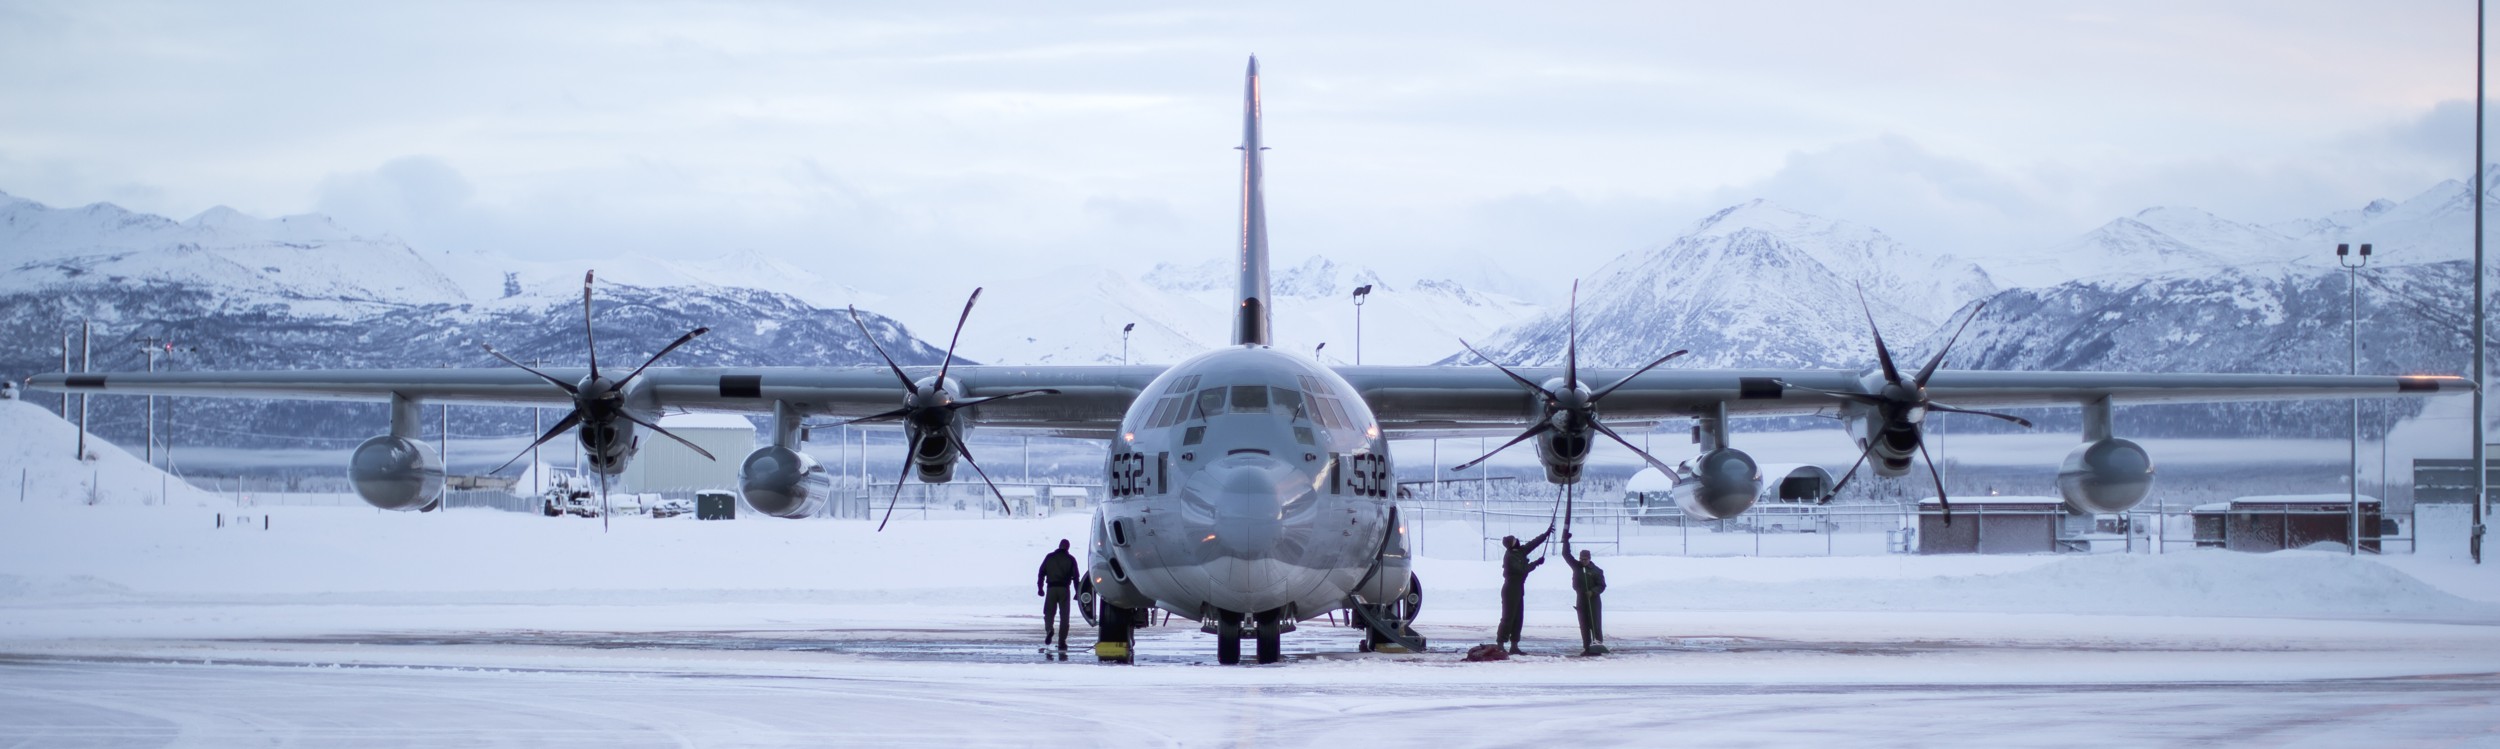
2352 351
1124 331
1361 293
64 370
2482 470
151 346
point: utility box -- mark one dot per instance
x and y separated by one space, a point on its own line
1990 525
2275 523
715 505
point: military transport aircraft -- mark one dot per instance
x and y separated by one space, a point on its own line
1228 471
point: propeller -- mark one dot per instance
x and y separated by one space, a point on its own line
598 400
1904 404
932 409
1570 409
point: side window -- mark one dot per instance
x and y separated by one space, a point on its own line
1249 398
1193 435
1210 402
1185 384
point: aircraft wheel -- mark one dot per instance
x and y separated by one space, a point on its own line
1227 638
1271 633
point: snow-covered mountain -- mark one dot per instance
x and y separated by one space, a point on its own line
234 292
1073 314
1756 284
2168 289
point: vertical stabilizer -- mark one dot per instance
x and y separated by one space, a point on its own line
1250 317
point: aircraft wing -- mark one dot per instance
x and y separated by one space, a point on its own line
1472 401
1090 401
1411 402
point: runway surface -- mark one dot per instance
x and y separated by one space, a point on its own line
962 678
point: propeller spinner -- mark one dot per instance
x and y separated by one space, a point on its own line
929 412
1570 409
1902 406
598 402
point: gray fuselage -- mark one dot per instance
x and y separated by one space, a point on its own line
1247 480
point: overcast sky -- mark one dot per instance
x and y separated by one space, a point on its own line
1422 139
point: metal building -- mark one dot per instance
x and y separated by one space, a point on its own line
664 467
2275 523
1991 525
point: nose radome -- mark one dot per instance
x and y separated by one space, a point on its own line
1246 495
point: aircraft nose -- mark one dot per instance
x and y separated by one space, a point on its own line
1244 498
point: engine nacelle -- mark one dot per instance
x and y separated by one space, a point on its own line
1723 485
396 473
2106 476
935 460
783 483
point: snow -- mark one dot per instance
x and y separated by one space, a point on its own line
135 623
38 453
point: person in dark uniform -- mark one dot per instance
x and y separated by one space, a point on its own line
1054 583
1587 582
1515 568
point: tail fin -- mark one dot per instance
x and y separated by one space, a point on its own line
1250 320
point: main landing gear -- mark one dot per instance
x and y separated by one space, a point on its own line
1386 626
1118 640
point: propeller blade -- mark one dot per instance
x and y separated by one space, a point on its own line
1540 428
1883 355
959 337
914 449
965 451
1514 376
604 512
1627 444
672 346
887 416
568 422
1934 406
1930 370
568 387
1571 346
1941 499
1843 483
690 445
590 336
1008 396
1871 400
889 360
1627 379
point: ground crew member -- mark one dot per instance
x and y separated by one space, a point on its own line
1587 581
1515 569
1054 583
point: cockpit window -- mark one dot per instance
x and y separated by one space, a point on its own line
1210 403
1249 398
1288 401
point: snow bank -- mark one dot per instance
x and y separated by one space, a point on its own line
358 555
37 453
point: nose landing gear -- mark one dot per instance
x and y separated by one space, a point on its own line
1227 638
1267 628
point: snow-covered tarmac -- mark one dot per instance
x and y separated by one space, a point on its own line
152 626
